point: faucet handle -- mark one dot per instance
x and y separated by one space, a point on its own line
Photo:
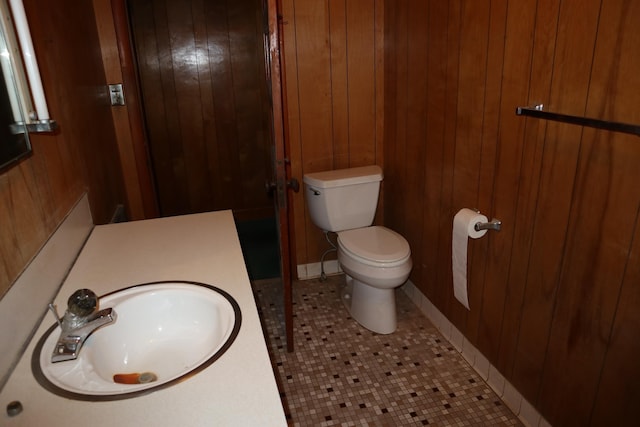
82 302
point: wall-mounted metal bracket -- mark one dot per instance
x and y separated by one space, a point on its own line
494 224
40 126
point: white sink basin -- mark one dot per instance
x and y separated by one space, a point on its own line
164 332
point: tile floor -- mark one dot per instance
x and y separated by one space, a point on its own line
341 374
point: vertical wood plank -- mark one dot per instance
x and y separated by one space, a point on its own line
314 84
188 143
394 173
444 295
378 70
211 199
416 129
390 96
474 24
434 147
175 174
223 100
361 44
339 82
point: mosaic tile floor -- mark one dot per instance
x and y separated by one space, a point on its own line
341 374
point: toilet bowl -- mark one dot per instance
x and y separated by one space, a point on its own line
375 260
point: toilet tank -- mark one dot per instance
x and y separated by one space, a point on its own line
343 199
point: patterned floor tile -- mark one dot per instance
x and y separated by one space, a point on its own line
341 374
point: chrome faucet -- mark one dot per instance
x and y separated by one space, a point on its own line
80 320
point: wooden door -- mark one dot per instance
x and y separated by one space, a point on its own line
280 183
206 103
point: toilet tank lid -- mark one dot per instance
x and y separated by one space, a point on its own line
343 177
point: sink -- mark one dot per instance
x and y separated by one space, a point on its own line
165 332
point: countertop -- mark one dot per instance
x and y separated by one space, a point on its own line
239 389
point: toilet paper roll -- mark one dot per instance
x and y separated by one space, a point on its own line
463 229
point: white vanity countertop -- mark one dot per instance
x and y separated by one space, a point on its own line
239 389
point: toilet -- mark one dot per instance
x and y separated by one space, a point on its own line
375 259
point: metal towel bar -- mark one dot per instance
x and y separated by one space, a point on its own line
578 120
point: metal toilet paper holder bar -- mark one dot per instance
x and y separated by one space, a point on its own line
494 224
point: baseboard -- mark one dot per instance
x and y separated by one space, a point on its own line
504 389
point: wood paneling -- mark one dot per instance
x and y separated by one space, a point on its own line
552 293
82 156
206 103
333 65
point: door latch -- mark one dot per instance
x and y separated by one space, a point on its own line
116 92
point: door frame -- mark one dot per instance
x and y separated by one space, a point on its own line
281 163
138 167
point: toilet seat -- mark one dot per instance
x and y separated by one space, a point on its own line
375 246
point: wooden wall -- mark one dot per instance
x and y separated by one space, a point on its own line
333 53
554 296
36 195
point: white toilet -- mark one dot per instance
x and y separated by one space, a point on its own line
375 259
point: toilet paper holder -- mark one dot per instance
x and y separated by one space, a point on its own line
494 224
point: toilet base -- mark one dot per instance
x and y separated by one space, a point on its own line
373 308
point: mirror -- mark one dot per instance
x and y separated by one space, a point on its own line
14 138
